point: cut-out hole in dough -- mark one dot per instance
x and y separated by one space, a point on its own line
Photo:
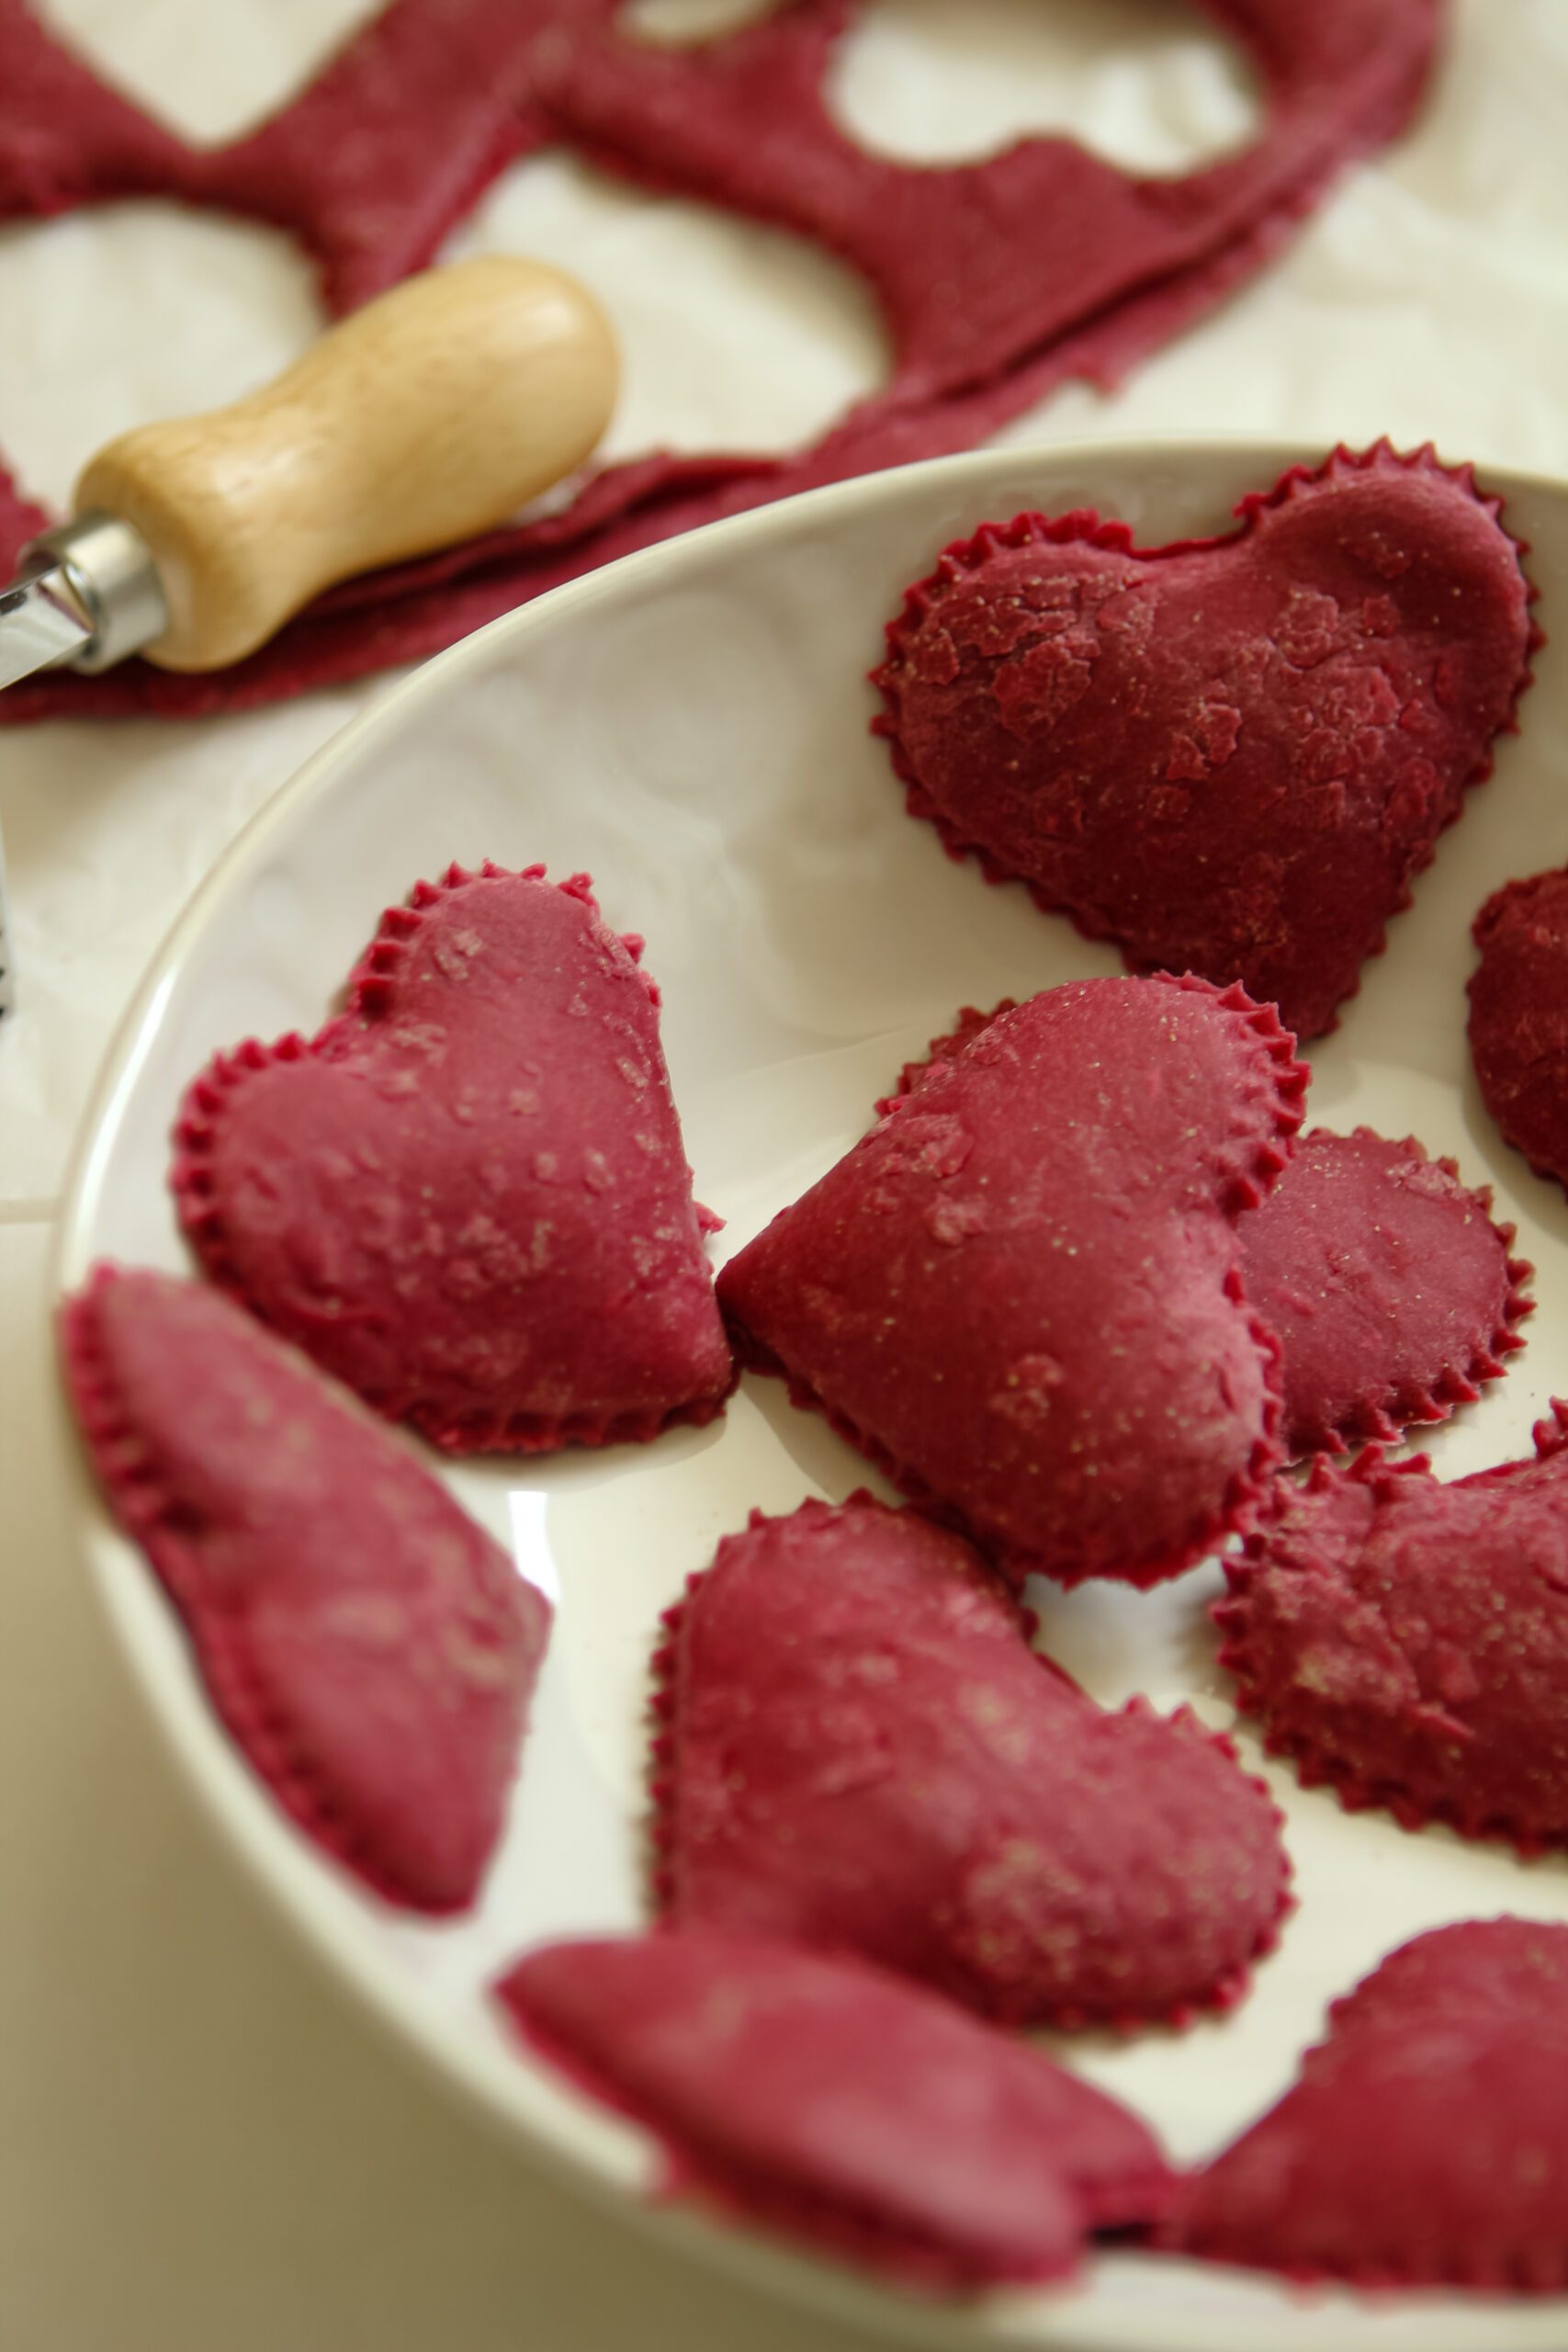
682 24
732 336
1148 83
207 72
136 310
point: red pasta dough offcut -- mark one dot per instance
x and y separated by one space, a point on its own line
862 1752
1386 1284
467 1195
1426 2143
1233 755
1020 1294
1408 1641
840 2105
1519 1018
371 1650
997 280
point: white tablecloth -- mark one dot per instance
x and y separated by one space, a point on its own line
201 2148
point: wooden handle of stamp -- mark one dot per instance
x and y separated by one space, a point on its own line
434 413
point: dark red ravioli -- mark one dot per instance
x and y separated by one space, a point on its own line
1408 1641
1229 755
1426 2143
1386 1284
371 1650
862 1752
842 2105
1020 1294
997 280
1519 1018
466 1197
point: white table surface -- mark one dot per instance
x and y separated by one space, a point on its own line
202 2149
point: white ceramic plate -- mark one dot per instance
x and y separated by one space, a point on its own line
691 726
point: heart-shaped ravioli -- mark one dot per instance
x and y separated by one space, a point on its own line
1408 1641
1020 1294
467 1195
1426 2143
840 2105
1386 1284
1519 1017
862 1752
371 1649
1230 756
1481 1968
